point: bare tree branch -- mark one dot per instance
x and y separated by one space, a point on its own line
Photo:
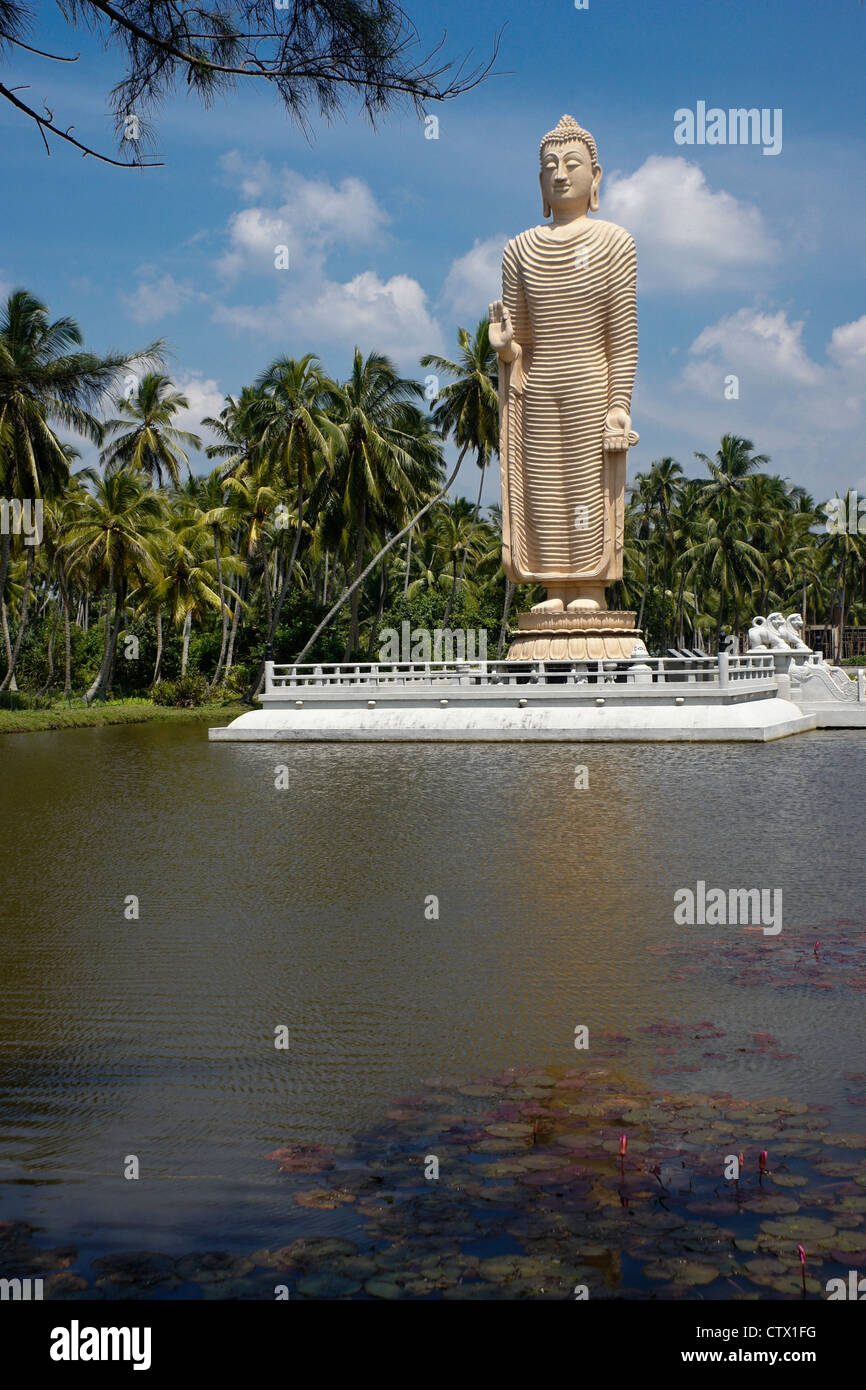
44 125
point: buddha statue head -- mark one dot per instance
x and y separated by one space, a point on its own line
570 171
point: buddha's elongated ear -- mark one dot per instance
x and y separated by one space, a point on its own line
545 203
593 195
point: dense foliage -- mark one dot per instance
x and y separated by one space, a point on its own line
151 577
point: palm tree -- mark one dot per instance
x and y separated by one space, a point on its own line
664 484
235 429
456 536
296 435
641 508
845 551
688 529
427 575
734 461
252 500
468 408
730 556
46 381
386 463
728 562
186 582
206 507
152 445
59 514
116 535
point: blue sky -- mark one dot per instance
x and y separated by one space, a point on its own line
749 264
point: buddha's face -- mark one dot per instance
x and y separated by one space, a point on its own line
568 183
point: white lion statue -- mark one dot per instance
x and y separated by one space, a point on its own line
776 633
791 629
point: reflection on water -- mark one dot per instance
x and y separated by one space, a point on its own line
309 907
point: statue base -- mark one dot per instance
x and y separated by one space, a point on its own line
582 635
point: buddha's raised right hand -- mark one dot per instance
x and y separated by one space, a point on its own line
501 330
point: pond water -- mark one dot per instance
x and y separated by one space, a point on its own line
311 905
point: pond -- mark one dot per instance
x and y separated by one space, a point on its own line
406 918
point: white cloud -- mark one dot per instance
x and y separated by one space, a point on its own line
687 236
388 315
848 345
761 345
253 179
205 398
157 298
316 219
475 279
309 216
806 414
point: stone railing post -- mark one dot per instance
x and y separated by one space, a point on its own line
724 670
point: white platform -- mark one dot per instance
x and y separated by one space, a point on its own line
753 721
652 700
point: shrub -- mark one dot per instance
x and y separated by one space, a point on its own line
189 691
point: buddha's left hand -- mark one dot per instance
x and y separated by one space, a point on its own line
618 433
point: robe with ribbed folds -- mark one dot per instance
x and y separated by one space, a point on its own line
573 307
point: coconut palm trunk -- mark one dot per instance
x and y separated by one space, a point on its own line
679 617
374 626
224 611
187 629
503 631
67 640
100 683
456 594
43 690
5 551
25 601
645 578
408 564
6 641
274 619
360 546
242 588
157 665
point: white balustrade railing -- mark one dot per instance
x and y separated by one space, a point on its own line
721 671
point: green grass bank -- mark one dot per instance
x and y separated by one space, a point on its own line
80 716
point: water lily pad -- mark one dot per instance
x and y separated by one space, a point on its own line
328 1284
690 1272
501 1268
235 1289
799 1228
765 1264
847 1141
139 1267
65 1285
324 1198
212 1266
314 1249
771 1203
846 1240
393 1286
303 1158
794 1285
510 1130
